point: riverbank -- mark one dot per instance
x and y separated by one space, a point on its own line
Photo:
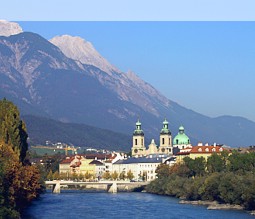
214 205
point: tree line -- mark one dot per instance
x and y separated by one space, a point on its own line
20 182
88 176
226 178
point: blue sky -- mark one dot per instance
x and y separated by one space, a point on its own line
205 66
127 10
208 67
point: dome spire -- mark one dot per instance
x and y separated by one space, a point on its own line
138 130
165 129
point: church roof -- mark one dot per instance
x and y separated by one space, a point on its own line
181 138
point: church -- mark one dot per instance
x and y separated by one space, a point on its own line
181 141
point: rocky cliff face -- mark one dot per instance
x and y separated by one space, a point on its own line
9 28
128 86
68 80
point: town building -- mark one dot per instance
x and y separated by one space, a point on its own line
143 168
205 151
201 150
165 146
99 168
91 164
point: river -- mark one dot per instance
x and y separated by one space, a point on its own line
77 204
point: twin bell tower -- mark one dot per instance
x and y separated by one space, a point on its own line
165 147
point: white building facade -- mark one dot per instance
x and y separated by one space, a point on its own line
143 168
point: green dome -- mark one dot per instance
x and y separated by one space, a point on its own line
181 138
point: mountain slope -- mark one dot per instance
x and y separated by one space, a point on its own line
42 129
43 79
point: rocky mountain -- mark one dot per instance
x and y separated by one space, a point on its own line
9 28
68 80
128 86
82 51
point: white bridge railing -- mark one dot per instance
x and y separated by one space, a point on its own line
111 186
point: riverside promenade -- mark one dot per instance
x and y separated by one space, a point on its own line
109 186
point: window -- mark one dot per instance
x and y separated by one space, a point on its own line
163 140
207 150
142 141
200 149
135 141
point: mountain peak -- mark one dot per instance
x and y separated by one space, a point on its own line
79 49
9 28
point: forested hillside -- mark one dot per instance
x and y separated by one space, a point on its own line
42 129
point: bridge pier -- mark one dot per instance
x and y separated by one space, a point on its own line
113 188
56 187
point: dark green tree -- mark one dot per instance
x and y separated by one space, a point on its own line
196 166
216 163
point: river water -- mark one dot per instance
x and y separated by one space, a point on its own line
77 204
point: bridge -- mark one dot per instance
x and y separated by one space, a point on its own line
110 186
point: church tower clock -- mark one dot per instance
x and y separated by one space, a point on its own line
165 146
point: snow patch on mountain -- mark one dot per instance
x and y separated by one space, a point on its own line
79 49
9 28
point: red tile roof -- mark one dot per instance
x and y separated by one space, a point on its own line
206 149
69 159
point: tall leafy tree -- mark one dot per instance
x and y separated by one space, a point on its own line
12 129
19 181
